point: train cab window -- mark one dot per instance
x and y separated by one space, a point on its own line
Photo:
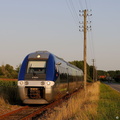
37 67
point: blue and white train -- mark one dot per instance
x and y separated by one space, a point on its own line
44 77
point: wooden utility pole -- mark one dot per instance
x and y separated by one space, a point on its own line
85 50
93 71
85 28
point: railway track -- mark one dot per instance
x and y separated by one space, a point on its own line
21 113
30 112
33 112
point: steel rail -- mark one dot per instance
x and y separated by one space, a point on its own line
12 112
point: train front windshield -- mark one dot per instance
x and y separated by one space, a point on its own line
36 67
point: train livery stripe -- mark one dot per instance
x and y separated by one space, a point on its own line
50 70
23 69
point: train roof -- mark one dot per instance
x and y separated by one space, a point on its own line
39 54
45 55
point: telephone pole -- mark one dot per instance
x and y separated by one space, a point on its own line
85 28
93 71
85 50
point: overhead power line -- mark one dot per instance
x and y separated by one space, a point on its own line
82 4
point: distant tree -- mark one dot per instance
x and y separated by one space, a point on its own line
1 72
111 73
117 72
18 68
7 71
91 71
117 76
80 64
101 72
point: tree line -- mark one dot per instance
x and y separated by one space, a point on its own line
111 73
8 71
93 74
90 70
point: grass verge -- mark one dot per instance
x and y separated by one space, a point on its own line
109 103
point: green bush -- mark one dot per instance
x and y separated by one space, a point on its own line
9 92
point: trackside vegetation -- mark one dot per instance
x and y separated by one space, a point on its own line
9 92
7 71
9 99
78 107
101 103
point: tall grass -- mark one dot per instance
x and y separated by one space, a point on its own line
101 103
77 107
9 92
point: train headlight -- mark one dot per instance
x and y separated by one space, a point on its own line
20 83
38 56
42 83
26 82
48 83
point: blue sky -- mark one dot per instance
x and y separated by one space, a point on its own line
53 25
